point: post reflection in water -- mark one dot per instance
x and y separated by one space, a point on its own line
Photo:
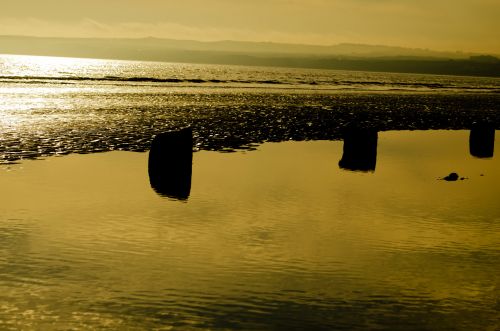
482 141
360 150
170 163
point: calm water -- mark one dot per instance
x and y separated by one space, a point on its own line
278 238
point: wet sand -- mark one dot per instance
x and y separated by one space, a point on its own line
228 122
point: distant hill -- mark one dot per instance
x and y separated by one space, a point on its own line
67 44
342 56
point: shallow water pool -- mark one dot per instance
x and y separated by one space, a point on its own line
278 238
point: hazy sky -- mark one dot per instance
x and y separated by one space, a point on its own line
468 25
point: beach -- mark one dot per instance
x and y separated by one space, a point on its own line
315 200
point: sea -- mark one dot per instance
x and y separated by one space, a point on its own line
316 199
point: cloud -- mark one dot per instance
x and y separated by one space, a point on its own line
89 28
438 24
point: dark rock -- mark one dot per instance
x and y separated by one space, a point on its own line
451 177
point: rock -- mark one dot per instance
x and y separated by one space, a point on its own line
451 177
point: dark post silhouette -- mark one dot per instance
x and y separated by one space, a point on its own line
360 149
482 140
170 163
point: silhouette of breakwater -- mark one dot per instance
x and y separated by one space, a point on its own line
171 156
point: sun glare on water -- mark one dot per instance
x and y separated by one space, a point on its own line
27 84
47 66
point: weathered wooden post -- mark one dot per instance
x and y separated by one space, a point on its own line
482 140
360 149
170 163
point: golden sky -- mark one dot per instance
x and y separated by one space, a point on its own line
466 25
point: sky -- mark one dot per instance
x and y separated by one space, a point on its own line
447 25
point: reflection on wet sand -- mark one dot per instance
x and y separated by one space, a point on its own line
482 140
170 163
360 150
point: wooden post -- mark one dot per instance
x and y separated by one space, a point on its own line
482 140
360 149
170 163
